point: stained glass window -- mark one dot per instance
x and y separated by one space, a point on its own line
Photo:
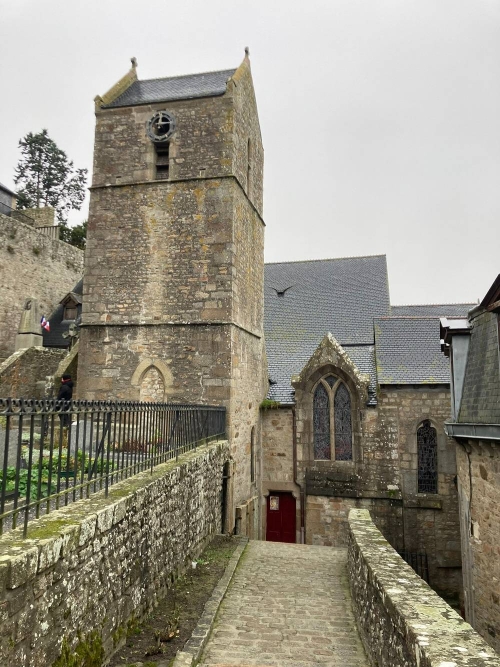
427 458
321 418
332 420
343 425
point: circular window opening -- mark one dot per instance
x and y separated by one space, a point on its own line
160 127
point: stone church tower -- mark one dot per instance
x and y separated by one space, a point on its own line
173 282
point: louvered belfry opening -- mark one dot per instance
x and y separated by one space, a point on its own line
162 160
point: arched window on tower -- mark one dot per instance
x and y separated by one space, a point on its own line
427 458
332 420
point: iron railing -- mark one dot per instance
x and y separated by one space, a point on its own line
418 561
55 452
16 214
52 231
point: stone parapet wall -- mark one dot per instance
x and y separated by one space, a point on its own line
24 373
402 622
87 571
32 265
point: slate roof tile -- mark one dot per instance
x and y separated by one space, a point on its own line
433 309
340 296
189 86
408 351
54 337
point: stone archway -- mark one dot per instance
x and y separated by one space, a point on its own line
153 381
152 387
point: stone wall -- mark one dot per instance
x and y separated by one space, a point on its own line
402 622
43 217
32 265
277 450
478 464
86 571
24 373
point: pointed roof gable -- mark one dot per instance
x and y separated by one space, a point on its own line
329 351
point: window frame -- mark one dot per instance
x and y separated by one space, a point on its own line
427 423
331 391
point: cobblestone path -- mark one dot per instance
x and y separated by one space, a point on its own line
288 606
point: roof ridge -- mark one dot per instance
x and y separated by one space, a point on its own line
182 76
412 317
420 305
326 259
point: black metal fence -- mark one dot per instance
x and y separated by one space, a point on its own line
15 213
418 561
55 452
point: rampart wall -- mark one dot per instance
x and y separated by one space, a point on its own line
87 571
402 622
32 265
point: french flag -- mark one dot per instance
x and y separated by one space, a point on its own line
45 323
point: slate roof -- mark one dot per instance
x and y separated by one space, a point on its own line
433 309
189 86
340 296
8 190
408 351
58 326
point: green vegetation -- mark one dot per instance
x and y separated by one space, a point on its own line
269 405
89 652
76 235
59 466
46 177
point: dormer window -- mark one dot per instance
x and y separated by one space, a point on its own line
70 311
70 305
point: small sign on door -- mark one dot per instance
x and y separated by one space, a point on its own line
274 503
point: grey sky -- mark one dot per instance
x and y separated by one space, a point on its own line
380 118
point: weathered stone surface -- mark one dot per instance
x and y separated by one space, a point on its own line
173 291
24 369
100 562
32 265
478 464
403 623
288 605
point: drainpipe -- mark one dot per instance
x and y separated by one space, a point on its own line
302 493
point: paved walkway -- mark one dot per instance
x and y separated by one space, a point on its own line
287 606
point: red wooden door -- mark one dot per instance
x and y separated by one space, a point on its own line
281 510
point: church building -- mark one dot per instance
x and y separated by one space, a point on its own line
335 398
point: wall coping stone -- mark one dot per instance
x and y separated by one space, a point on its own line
67 529
422 630
193 648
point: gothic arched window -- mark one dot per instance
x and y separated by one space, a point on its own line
427 458
343 426
332 420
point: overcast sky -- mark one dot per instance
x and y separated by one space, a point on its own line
380 118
